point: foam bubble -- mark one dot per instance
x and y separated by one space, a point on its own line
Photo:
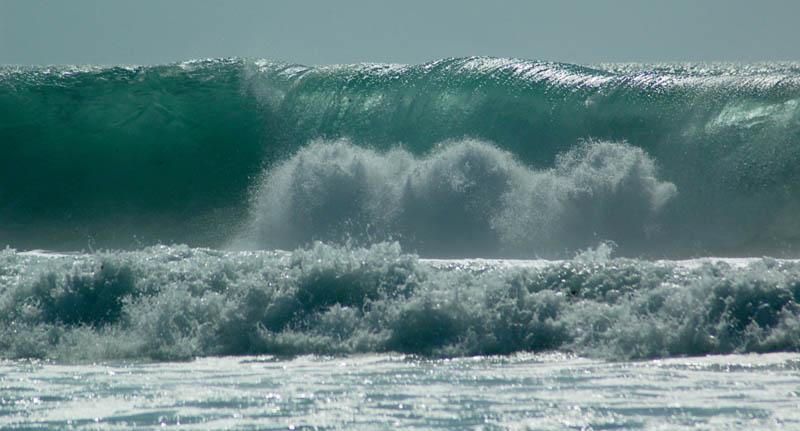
177 302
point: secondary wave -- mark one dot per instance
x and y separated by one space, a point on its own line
178 302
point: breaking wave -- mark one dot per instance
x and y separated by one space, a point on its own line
126 157
362 168
179 302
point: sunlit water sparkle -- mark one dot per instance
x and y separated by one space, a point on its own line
394 391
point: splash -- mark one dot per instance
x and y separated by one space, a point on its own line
178 302
465 198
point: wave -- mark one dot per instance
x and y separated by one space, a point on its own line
126 157
180 302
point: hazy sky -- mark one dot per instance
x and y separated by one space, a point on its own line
401 31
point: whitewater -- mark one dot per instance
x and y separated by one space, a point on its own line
478 243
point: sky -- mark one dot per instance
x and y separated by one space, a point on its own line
399 31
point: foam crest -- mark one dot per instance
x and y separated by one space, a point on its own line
178 302
466 198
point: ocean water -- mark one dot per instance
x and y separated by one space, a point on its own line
468 243
517 392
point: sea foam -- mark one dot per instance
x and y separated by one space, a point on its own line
179 302
465 198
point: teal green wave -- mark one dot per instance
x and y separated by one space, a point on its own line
129 156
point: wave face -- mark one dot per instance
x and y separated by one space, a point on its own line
178 302
457 157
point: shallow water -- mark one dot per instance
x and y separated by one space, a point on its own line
98 321
395 391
